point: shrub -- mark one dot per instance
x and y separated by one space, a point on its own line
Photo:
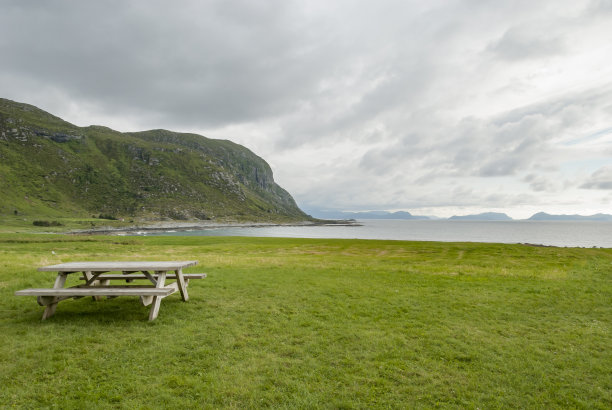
47 223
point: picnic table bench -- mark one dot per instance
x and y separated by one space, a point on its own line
97 282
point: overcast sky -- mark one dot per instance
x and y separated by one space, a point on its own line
434 107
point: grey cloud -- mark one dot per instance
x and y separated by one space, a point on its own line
519 43
337 115
547 31
468 198
540 183
515 142
454 195
515 146
210 63
599 7
202 63
600 179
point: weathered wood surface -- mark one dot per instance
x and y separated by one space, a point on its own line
147 300
180 280
131 277
99 291
50 308
91 281
97 284
161 280
90 277
110 266
47 300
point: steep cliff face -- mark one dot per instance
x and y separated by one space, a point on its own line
51 167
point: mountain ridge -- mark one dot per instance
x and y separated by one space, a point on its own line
543 216
367 215
484 216
50 167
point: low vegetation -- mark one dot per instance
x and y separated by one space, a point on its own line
300 323
47 223
52 169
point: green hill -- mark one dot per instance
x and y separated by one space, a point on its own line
51 168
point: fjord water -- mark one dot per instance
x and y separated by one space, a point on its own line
552 233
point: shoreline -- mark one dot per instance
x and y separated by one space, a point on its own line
562 236
202 225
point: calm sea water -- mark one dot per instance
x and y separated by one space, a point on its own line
566 233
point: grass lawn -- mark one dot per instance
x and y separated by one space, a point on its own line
314 323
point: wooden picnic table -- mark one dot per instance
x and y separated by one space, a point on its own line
97 282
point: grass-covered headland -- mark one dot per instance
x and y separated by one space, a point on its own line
305 323
51 169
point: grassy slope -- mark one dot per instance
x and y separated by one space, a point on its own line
51 169
316 323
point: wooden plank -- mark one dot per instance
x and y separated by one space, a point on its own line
152 278
92 281
106 282
181 284
118 266
60 280
113 286
90 277
131 277
98 291
147 300
47 300
173 286
161 280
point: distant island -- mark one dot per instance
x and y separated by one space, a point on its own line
543 216
367 215
485 216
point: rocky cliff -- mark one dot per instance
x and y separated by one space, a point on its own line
49 167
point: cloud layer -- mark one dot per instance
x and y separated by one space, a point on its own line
441 106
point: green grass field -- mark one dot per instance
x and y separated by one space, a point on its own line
305 323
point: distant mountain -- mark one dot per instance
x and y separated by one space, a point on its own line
366 215
486 216
386 215
543 216
49 167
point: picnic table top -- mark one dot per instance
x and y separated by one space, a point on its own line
109 266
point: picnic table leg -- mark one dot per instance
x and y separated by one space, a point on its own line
106 282
181 284
161 279
88 278
59 283
147 300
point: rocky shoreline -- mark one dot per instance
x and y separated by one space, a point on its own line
200 225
